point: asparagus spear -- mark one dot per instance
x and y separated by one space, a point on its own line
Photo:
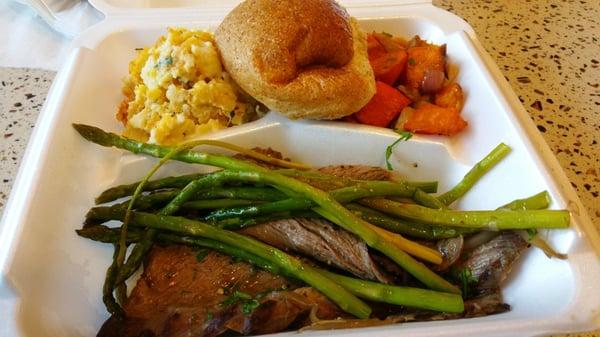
401 226
537 201
110 281
249 193
493 220
249 172
218 203
342 195
481 168
121 191
412 297
97 215
427 186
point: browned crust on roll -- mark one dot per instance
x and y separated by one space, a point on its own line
302 58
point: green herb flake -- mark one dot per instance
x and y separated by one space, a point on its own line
404 136
531 233
246 302
236 297
201 254
167 61
209 316
466 280
249 306
411 61
387 34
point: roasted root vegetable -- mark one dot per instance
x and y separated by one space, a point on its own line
387 56
424 59
425 100
450 96
384 107
389 67
432 119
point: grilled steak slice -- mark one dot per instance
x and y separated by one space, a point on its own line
451 250
490 263
358 172
178 295
322 241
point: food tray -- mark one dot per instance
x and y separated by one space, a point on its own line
52 279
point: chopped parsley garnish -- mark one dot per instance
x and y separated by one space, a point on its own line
247 303
531 232
404 136
466 281
249 306
411 61
167 61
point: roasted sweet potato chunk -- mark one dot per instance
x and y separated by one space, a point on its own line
384 107
432 119
422 59
450 96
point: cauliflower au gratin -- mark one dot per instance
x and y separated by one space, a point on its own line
177 90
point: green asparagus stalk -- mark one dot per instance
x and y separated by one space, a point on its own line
406 296
424 199
218 203
416 230
96 215
121 191
423 231
475 174
110 282
492 220
249 172
426 186
342 195
248 193
241 222
537 201
288 264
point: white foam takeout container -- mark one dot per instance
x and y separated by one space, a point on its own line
52 279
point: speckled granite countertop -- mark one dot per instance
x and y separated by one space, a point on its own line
548 51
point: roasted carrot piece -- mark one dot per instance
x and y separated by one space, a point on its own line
421 59
388 67
384 107
387 57
450 96
389 42
374 47
432 119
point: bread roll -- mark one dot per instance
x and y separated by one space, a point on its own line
302 58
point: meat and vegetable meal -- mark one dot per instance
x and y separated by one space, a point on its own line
266 244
